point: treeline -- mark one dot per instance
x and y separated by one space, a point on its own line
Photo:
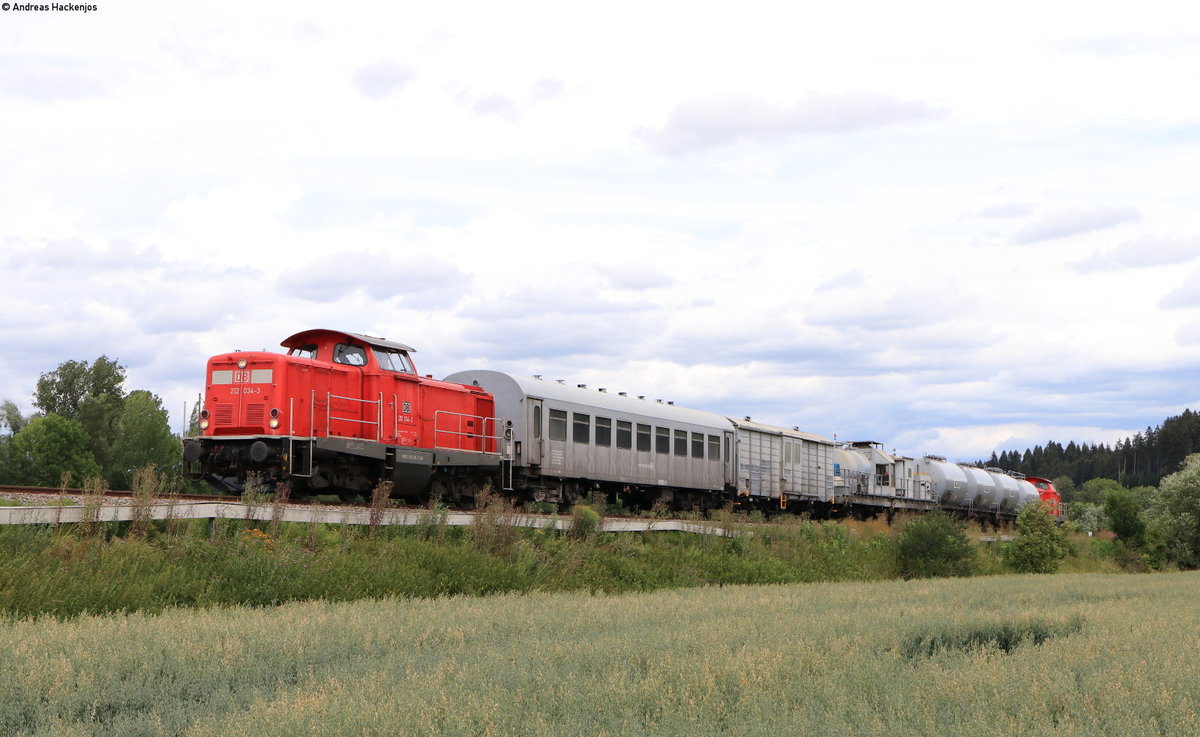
86 427
1142 460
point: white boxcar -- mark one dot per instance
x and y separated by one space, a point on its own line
775 463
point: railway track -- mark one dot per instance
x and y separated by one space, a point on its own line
198 506
6 490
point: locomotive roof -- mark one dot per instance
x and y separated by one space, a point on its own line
309 336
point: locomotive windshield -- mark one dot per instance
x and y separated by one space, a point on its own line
397 361
304 351
349 354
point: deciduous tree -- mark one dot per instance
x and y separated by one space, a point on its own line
46 448
1176 513
63 390
142 438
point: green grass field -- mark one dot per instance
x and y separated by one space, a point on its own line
1003 655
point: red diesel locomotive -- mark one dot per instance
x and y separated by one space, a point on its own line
337 414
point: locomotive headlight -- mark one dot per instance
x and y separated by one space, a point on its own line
274 423
203 419
203 424
241 363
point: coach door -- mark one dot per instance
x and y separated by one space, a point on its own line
533 437
730 460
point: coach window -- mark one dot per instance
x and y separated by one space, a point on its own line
681 443
643 438
351 355
697 445
662 440
603 432
558 424
537 421
624 435
714 448
582 428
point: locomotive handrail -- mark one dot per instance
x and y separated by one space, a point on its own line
482 434
378 422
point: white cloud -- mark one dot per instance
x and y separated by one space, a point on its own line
382 79
1068 222
703 123
1143 252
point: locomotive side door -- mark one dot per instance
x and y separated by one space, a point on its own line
345 413
533 437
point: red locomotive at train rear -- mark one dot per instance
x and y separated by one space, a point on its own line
338 413
1049 495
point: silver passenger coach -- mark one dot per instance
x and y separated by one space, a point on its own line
570 440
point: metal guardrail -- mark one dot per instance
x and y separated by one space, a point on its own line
359 516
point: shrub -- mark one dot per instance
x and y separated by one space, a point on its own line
1042 544
935 545
584 520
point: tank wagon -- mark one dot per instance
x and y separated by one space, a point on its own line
866 475
340 412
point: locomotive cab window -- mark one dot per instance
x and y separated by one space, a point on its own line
303 351
397 361
351 355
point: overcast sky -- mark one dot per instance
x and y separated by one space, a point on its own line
946 228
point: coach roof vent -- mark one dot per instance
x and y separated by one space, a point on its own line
581 386
602 389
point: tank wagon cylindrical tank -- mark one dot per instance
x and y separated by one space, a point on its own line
972 489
